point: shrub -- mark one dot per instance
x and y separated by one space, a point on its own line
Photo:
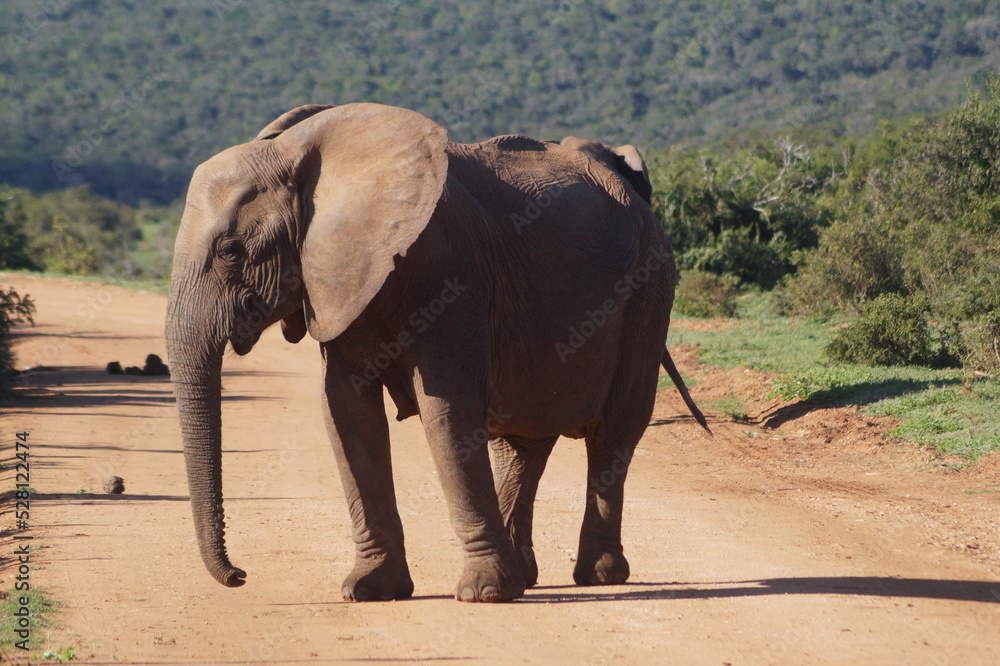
14 309
892 330
857 261
982 345
736 253
67 231
14 250
926 222
744 213
703 294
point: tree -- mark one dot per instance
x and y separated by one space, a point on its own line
927 225
14 250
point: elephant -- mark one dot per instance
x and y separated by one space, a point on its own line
506 292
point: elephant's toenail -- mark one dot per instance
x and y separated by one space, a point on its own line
362 594
346 592
490 593
386 596
468 594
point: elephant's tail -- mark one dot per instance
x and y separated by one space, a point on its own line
675 377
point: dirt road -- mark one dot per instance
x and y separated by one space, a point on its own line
818 541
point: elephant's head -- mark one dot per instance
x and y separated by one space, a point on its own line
624 160
300 226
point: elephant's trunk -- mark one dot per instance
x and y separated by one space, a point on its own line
195 352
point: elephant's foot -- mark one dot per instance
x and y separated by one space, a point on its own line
529 565
380 580
491 580
601 568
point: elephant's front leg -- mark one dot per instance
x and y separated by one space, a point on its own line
458 437
359 432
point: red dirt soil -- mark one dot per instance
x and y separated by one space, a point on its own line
815 540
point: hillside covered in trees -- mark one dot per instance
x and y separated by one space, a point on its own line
128 97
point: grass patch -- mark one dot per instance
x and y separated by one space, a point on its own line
936 407
664 382
733 407
769 345
965 422
61 656
40 607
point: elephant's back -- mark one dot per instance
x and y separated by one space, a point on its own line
546 203
566 253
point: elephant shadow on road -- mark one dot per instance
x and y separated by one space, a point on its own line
861 586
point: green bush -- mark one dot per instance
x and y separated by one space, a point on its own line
743 212
892 330
14 250
77 232
982 345
126 108
923 220
857 260
703 294
14 309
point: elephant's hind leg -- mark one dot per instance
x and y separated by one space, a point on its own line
610 445
519 467
359 432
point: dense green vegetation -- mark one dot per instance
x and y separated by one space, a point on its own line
73 231
748 211
127 96
940 408
895 280
893 330
911 215
925 225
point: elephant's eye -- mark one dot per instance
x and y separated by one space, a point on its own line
230 249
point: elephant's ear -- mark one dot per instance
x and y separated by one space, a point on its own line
289 118
631 165
369 177
592 149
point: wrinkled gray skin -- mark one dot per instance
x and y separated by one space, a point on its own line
627 162
624 160
507 292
